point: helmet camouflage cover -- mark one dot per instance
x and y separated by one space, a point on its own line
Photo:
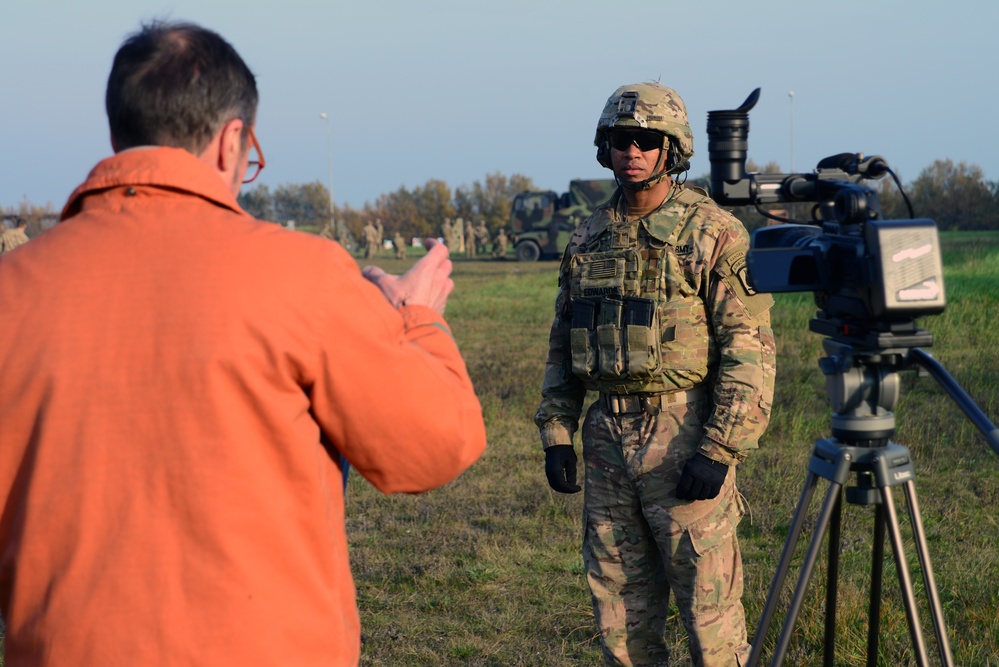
651 106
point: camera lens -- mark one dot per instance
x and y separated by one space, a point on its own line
728 144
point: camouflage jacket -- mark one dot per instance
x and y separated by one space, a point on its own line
11 238
682 270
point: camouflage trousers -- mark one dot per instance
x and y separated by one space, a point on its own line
640 542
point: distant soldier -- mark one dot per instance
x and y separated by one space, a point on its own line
499 244
379 237
326 232
400 245
11 238
459 234
469 239
482 235
345 239
370 240
447 231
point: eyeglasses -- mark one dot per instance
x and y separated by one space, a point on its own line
646 140
253 167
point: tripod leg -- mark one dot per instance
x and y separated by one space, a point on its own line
821 525
905 581
877 570
785 561
835 540
936 610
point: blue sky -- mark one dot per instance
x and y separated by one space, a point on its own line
454 90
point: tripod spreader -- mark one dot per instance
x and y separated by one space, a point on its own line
960 396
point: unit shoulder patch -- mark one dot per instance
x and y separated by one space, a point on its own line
734 272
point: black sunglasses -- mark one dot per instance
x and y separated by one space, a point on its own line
646 140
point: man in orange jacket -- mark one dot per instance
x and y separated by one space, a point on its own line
178 382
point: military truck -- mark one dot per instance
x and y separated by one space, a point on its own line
543 221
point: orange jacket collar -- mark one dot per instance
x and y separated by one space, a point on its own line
157 166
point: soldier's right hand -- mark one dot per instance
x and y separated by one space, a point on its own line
560 468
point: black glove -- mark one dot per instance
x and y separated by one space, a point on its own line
560 468
701 479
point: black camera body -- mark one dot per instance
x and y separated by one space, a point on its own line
871 277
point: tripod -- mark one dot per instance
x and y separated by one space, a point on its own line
862 387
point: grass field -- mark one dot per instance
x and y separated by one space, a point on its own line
487 570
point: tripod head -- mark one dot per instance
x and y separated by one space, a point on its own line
861 368
862 383
862 388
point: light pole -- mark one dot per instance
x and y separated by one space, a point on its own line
329 155
790 97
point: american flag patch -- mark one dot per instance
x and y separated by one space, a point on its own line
606 268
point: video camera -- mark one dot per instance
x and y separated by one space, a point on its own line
871 277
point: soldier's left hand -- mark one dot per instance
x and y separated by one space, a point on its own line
701 478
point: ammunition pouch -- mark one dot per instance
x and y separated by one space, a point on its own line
627 324
613 335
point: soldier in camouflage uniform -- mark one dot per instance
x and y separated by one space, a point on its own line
654 312
400 245
469 239
370 240
500 244
12 238
458 228
481 236
448 235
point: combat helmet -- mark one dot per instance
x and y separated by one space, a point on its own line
650 106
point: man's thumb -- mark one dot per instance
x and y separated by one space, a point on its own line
373 273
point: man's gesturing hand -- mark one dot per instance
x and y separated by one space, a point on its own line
427 283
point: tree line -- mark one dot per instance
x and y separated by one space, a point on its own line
416 212
956 196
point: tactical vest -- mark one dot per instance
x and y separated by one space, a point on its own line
638 325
